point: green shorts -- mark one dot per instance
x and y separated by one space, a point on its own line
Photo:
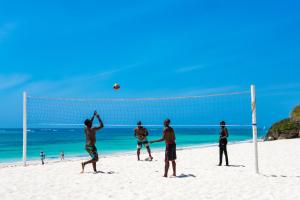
141 143
92 150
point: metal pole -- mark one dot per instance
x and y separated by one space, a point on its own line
254 126
24 127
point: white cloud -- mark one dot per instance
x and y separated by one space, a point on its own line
109 73
72 85
209 91
279 89
10 81
189 68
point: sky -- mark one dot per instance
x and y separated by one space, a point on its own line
157 48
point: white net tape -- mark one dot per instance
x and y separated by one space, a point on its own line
188 111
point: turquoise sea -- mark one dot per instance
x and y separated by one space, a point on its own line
109 140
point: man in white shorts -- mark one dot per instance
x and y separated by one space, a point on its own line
141 134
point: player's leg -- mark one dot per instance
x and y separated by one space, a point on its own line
226 155
220 155
148 150
166 168
174 167
138 150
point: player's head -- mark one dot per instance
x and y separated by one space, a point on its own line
222 123
88 123
139 123
167 122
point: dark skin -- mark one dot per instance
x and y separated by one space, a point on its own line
223 127
91 139
167 164
140 133
223 130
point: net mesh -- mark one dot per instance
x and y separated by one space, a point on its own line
207 110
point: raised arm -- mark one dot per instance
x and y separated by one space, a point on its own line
100 123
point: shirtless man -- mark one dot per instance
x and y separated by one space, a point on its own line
170 153
90 133
141 134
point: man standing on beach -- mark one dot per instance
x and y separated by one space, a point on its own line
170 153
141 134
223 143
62 155
90 133
43 156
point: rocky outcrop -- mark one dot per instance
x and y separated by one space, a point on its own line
286 129
295 115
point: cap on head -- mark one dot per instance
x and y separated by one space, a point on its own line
222 123
139 123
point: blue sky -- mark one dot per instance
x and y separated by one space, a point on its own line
152 48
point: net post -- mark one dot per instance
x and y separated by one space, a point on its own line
254 127
24 128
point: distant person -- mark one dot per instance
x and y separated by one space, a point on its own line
170 153
141 134
43 157
223 143
90 133
62 155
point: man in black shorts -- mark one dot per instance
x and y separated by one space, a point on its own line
170 153
90 133
223 143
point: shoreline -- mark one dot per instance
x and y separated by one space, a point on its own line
52 160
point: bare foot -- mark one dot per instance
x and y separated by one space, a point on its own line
165 176
151 158
82 166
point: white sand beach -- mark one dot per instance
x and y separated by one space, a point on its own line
122 177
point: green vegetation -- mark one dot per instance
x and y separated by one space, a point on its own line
295 115
285 125
286 128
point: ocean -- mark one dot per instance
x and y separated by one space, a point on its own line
109 140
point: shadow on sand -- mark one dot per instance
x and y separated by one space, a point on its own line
186 176
279 176
101 172
236 166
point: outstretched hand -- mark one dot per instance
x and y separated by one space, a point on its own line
96 114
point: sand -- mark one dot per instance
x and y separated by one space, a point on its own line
199 177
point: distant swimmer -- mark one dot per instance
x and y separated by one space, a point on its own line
170 153
62 155
223 143
90 134
43 157
141 134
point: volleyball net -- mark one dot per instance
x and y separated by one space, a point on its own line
185 111
235 108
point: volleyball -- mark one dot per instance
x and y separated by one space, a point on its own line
116 86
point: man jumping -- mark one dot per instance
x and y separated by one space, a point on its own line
90 133
170 153
141 134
